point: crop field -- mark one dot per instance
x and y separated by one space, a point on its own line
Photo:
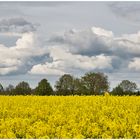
69 117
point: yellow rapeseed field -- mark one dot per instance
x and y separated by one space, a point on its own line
69 117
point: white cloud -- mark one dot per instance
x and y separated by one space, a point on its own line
14 57
135 64
75 50
132 37
66 62
92 49
45 69
91 41
102 32
7 70
20 57
66 59
129 43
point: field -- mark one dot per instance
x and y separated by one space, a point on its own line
69 117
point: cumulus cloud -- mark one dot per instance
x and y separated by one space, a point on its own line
128 44
65 62
46 68
102 32
135 64
15 58
93 41
26 52
90 49
73 51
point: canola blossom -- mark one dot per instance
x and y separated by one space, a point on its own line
69 117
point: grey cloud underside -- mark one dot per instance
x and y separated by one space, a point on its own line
19 57
89 43
121 50
16 25
74 51
92 49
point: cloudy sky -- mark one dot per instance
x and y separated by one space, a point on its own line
47 39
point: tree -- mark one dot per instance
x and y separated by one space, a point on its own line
44 88
117 91
1 89
95 83
22 88
79 88
128 86
65 85
9 90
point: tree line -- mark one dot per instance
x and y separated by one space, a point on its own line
92 83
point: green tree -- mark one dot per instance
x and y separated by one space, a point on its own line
79 88
22 88
95 83
44 88
128 86
1 89
117 91
9 90
65 85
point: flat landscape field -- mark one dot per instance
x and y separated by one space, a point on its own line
69 117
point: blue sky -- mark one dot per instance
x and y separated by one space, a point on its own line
47 39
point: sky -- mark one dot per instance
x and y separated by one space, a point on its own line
48 39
